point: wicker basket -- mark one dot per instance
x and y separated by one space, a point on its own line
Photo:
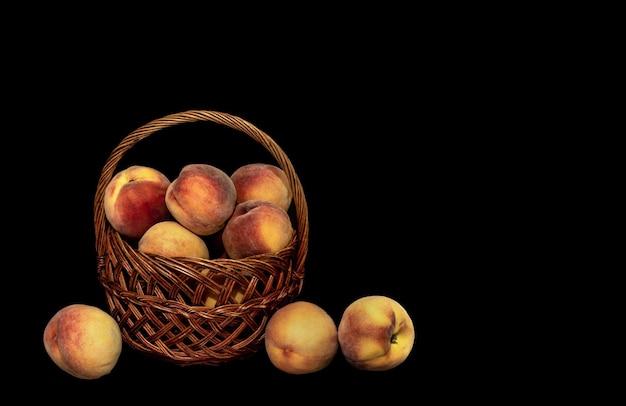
157 301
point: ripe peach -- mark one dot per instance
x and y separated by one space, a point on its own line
170 239
202 198
256 227
375 333
134 200
236 296
83 340
211 298
301 338
262 181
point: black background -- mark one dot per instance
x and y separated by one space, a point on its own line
383 167
429 144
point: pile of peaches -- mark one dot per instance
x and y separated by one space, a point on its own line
203 212
206 213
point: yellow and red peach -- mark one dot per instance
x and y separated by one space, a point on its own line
202 198
256 227
83 340
375 333
301 338
134 200
262 181
170 239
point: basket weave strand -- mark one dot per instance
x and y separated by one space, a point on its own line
159 302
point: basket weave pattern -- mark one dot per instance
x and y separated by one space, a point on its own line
157 301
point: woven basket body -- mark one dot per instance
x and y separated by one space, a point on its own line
157 301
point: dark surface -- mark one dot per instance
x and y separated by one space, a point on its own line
417 146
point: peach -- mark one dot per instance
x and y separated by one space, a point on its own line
202 198
134 200
256 227
170 239
211 298
375 333
301 338
83 340
236 296
262 181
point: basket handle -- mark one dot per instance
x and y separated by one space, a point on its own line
229 120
